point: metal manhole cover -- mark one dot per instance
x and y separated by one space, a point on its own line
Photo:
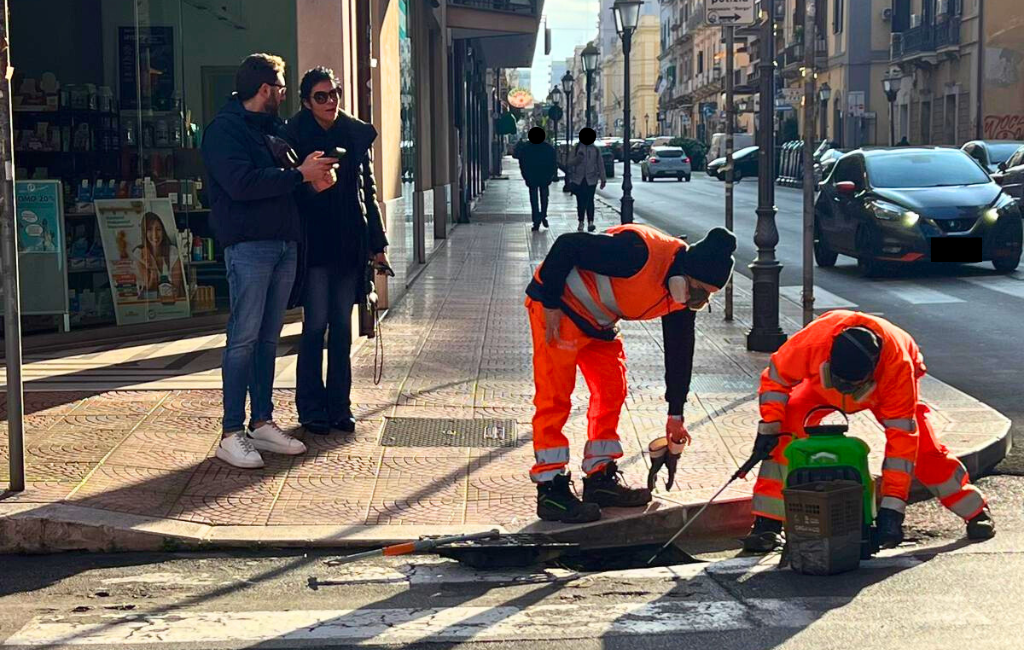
448 432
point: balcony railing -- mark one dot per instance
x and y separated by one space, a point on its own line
926 38
523 7
696 19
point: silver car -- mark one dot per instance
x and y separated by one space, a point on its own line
666 161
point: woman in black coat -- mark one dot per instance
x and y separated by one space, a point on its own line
342 233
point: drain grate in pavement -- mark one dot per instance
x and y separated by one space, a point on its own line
709 383
448 432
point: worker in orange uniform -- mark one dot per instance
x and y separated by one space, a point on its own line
854 362
586 285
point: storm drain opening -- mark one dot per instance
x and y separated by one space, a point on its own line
526 550
448 432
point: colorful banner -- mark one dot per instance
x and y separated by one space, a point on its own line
146 269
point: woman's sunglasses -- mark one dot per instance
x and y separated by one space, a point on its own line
321 97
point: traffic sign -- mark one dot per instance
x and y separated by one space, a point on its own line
728 13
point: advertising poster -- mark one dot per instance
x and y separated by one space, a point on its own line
40 219
146 269
151 50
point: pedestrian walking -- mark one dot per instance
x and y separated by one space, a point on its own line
904 142
253 177
587 175
342 232
538 166
854 362
587 283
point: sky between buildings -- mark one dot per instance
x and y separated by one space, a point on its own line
572 23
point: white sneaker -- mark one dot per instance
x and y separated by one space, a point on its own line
237 450
270 437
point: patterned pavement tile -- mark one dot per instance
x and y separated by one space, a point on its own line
314 488
127 478
223 510
317 512
38 491
219 480
319 463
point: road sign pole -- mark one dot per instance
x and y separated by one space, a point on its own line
729 113
809 176
9 266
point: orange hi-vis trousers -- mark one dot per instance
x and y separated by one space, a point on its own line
907 455
603 364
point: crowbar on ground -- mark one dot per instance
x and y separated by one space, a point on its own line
408 548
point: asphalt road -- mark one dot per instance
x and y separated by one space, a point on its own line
943 594
968 319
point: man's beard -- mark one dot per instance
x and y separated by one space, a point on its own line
273 105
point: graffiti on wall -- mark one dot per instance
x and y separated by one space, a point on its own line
1004 127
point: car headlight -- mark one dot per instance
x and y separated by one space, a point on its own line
891 212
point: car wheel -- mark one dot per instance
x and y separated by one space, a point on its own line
687 178
737 176
679 179
823 255
868 264
1006 264
643 176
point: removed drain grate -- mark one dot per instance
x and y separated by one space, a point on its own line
445 432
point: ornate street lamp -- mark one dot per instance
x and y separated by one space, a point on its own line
765 335
555 96
891 85
590 56
567 84
824 94
627 17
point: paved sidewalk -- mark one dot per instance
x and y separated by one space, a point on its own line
120 442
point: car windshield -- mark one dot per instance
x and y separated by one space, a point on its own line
746 151
924 169
1001 152
669 153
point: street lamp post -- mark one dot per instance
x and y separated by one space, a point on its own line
765 335
627 17
647 125
825 95
556 100
891 86
567 83
590 56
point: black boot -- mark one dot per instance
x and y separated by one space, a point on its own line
982 526
556 501
889 524
606 489
764 537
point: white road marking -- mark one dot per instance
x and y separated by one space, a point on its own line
823 298
1010 285
912 292
400 626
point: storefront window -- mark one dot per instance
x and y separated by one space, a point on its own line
409 149
110 105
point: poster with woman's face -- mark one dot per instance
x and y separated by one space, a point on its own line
146 269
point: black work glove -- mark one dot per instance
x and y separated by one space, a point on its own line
889 527
765 444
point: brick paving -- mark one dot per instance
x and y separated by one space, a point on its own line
457 346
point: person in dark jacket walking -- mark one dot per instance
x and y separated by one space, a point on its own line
538 166
253 177
342 232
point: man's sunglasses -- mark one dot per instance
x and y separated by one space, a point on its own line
281 89
321 97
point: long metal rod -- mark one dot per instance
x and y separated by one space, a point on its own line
408 548
627 177
730 112
692 519
9 265
810 101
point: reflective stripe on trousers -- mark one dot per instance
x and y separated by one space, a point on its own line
970 504
950 486
772 471
770 507
898 465
598 453
892 503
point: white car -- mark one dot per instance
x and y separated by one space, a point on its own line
669 162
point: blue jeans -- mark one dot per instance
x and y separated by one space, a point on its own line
330 297
260 278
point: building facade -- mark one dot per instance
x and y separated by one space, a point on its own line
91 125
643 62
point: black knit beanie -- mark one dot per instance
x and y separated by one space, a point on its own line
855 353
710 260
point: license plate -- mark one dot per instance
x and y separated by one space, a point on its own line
962 250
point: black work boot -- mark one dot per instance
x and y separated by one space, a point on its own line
556 501
982 526
889 524
606 489
764 537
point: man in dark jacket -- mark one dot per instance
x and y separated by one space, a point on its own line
537 163
253 176
342 231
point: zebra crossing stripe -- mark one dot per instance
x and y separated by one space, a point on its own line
911 292
1011 285
823 298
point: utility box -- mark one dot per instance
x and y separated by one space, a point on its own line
824 526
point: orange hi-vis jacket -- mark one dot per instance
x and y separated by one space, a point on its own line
596 303
891 395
